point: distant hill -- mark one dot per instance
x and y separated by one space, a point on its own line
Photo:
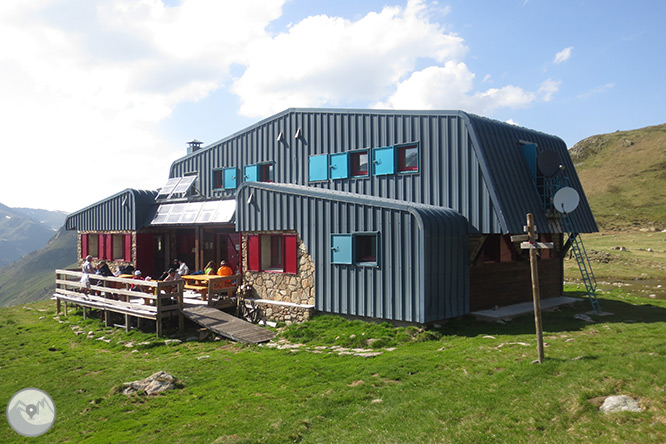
624 177
52 219
32 278
23 230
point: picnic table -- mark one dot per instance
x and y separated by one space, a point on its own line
212 285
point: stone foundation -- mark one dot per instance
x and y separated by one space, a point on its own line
283 311
283 297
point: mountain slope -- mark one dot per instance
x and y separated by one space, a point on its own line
32 278
51 219
20 234
624 177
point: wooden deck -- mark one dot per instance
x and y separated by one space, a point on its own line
227 325
150 300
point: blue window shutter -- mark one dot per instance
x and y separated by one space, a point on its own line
341 249
251 173
339 166
529 151
230 178
383 160
318 168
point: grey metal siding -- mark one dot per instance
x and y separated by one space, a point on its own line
422 273
125 211
450 173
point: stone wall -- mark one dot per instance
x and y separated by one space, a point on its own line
293 294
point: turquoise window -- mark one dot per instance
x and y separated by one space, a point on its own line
318 168
341 249
383 160
230 178
339 166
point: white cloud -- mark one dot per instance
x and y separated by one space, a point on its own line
85 84
563 55
548 88
451 87
329 61
512 122
598 90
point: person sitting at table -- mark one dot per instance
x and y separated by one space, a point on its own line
172 275
225 269
137 276
183 269
209 268
103 270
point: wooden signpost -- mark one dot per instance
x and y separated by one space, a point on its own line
529 242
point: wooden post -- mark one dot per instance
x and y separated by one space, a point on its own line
181 305
158 315
536 296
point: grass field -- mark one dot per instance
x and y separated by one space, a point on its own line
467 382
632 259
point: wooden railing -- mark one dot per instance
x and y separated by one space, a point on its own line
132 297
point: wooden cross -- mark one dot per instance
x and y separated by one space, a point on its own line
529 242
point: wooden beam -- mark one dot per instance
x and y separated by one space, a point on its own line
537 245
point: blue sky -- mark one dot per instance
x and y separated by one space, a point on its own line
101 96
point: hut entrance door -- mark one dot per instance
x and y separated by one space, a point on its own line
228 248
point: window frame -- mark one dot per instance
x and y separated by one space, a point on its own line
345 249
288 253
401 157
260 172
369 261
354 165
218 173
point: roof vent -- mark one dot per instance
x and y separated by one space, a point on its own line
193 146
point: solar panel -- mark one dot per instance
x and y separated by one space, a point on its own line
168 188
219 211
184 185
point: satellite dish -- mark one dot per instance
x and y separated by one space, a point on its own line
548 162
566 200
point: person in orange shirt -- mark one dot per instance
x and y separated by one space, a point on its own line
225 269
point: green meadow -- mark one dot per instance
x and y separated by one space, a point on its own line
339 381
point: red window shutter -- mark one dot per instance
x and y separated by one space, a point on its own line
290 253
84 246
128 248
253 253
101 246
109 247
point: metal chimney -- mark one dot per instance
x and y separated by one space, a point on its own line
193 146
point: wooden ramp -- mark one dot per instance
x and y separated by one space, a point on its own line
227 325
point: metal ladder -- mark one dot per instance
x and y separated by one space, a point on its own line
583 261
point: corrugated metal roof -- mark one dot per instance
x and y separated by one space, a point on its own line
468 163
503 163
423 275
128 210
